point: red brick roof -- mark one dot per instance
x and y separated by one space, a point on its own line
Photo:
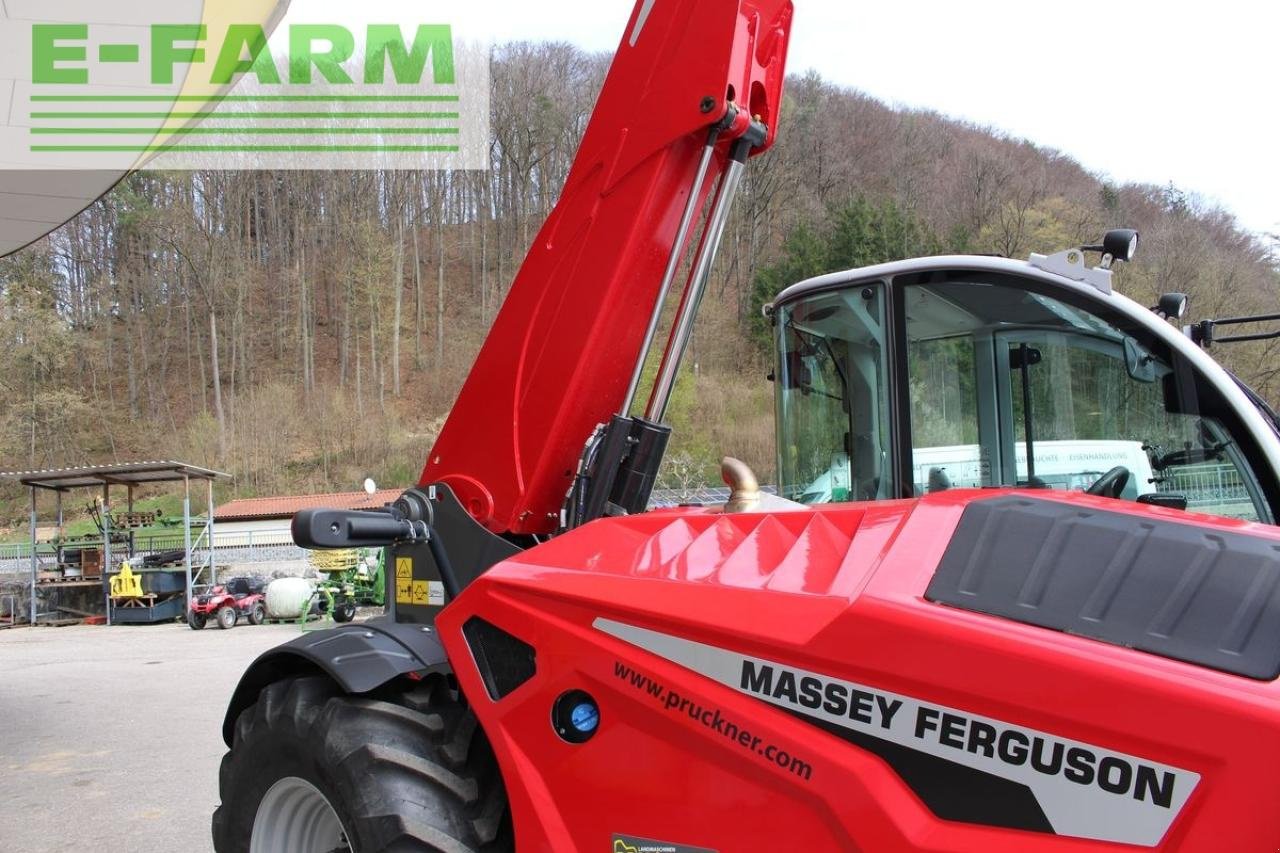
285 506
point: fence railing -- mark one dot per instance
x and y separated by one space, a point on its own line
1206 483
1214 489
14 551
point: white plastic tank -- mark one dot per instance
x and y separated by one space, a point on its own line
287 596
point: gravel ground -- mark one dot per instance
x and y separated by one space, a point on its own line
110 738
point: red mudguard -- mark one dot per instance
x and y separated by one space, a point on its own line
561 351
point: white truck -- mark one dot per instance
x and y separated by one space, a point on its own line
1069 465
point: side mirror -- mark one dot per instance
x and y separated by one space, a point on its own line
1138 363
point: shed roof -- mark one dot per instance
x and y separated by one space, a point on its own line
123 474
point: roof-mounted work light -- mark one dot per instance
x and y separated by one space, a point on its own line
1118 244
1171 306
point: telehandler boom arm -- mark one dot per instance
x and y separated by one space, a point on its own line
565 350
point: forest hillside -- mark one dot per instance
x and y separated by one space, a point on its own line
302 330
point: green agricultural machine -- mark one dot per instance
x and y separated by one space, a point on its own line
349 578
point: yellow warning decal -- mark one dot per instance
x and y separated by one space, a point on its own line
421 592
404 591
404 568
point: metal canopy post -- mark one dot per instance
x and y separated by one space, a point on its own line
106 548
132 543
34 563
213 571
57 548
186 533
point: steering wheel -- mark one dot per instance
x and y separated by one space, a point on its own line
1111 484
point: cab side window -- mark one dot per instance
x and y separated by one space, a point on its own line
1011 387
1090 412
945 448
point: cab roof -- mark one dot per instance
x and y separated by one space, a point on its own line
976 263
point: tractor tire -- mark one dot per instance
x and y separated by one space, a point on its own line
344 611
403 768
258 614
226 616
196 620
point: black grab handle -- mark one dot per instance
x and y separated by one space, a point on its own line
344 528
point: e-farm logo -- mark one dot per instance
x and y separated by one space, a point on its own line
60 54
252 94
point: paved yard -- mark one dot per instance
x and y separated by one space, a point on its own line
110 737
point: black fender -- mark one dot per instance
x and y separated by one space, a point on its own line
358 657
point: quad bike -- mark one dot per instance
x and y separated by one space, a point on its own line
1019 590
225 603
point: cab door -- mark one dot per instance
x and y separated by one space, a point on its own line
1069 411
1009 383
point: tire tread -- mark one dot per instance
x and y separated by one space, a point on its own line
418 770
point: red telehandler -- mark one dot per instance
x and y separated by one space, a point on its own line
1019 588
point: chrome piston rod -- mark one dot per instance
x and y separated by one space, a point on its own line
673 264
681 330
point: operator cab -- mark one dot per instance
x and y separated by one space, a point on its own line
970 372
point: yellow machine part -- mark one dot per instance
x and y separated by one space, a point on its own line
340 560
126 584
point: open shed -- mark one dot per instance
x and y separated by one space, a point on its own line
128 477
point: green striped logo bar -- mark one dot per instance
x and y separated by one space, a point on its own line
279 92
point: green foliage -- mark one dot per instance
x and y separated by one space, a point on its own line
803 255
864 233
1109 198
960 240
943 394
857 234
